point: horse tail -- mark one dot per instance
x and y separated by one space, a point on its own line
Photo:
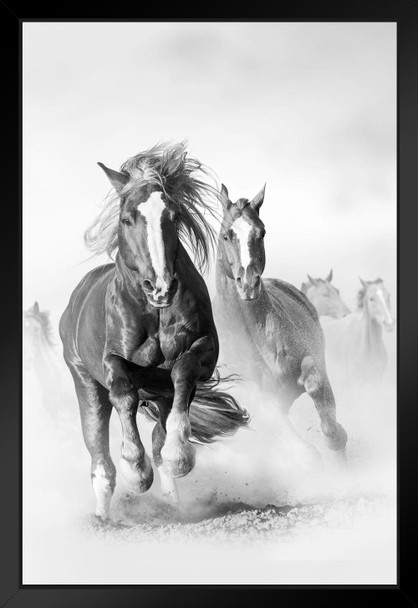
213 413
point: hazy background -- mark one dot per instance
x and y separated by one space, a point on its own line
308 108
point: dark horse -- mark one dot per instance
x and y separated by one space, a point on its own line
140 331
268 325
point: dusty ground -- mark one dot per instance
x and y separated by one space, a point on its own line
236 522
266 496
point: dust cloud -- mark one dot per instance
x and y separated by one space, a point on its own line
272 492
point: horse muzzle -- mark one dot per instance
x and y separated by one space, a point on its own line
159 297
389 325
343 313
249 289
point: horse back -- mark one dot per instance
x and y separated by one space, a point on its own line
291 298
294 320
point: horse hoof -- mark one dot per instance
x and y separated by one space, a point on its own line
177 468
179 463
138 480
340 457
180 467
337 440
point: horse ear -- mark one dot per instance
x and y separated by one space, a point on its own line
36 308
329 277
364 283
313 281
304 288
224 198
258 199
118 180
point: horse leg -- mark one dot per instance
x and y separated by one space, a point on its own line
318 387
178 454
168 484
135 465
302 452
95 411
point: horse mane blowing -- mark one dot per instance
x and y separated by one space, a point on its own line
182 179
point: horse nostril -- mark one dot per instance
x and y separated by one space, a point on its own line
239 281
148 286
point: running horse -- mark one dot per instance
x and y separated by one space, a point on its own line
325 297
267 325
139 332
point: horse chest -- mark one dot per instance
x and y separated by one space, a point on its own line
148 353
136 341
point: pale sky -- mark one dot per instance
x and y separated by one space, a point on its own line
308 108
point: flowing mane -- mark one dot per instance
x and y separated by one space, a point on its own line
181 179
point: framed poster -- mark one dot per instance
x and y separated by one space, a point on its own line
308 108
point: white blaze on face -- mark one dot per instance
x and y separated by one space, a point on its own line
242 230
152 211
387 313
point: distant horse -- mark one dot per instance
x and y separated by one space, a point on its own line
40 355
325 297
268 326
140 331
354 344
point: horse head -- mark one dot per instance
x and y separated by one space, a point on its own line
325 297
375 297
36 332
147 234
243 245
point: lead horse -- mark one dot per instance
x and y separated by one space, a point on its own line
268 325
140 331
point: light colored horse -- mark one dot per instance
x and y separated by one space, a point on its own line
43 360
354 343
325 297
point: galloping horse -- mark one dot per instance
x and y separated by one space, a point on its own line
325 297
354 344
268 325
141 331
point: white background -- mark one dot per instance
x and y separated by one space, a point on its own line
308 108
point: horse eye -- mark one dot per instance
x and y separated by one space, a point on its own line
125 221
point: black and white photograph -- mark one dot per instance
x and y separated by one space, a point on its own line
209 303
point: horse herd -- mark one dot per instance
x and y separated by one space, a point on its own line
142 333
